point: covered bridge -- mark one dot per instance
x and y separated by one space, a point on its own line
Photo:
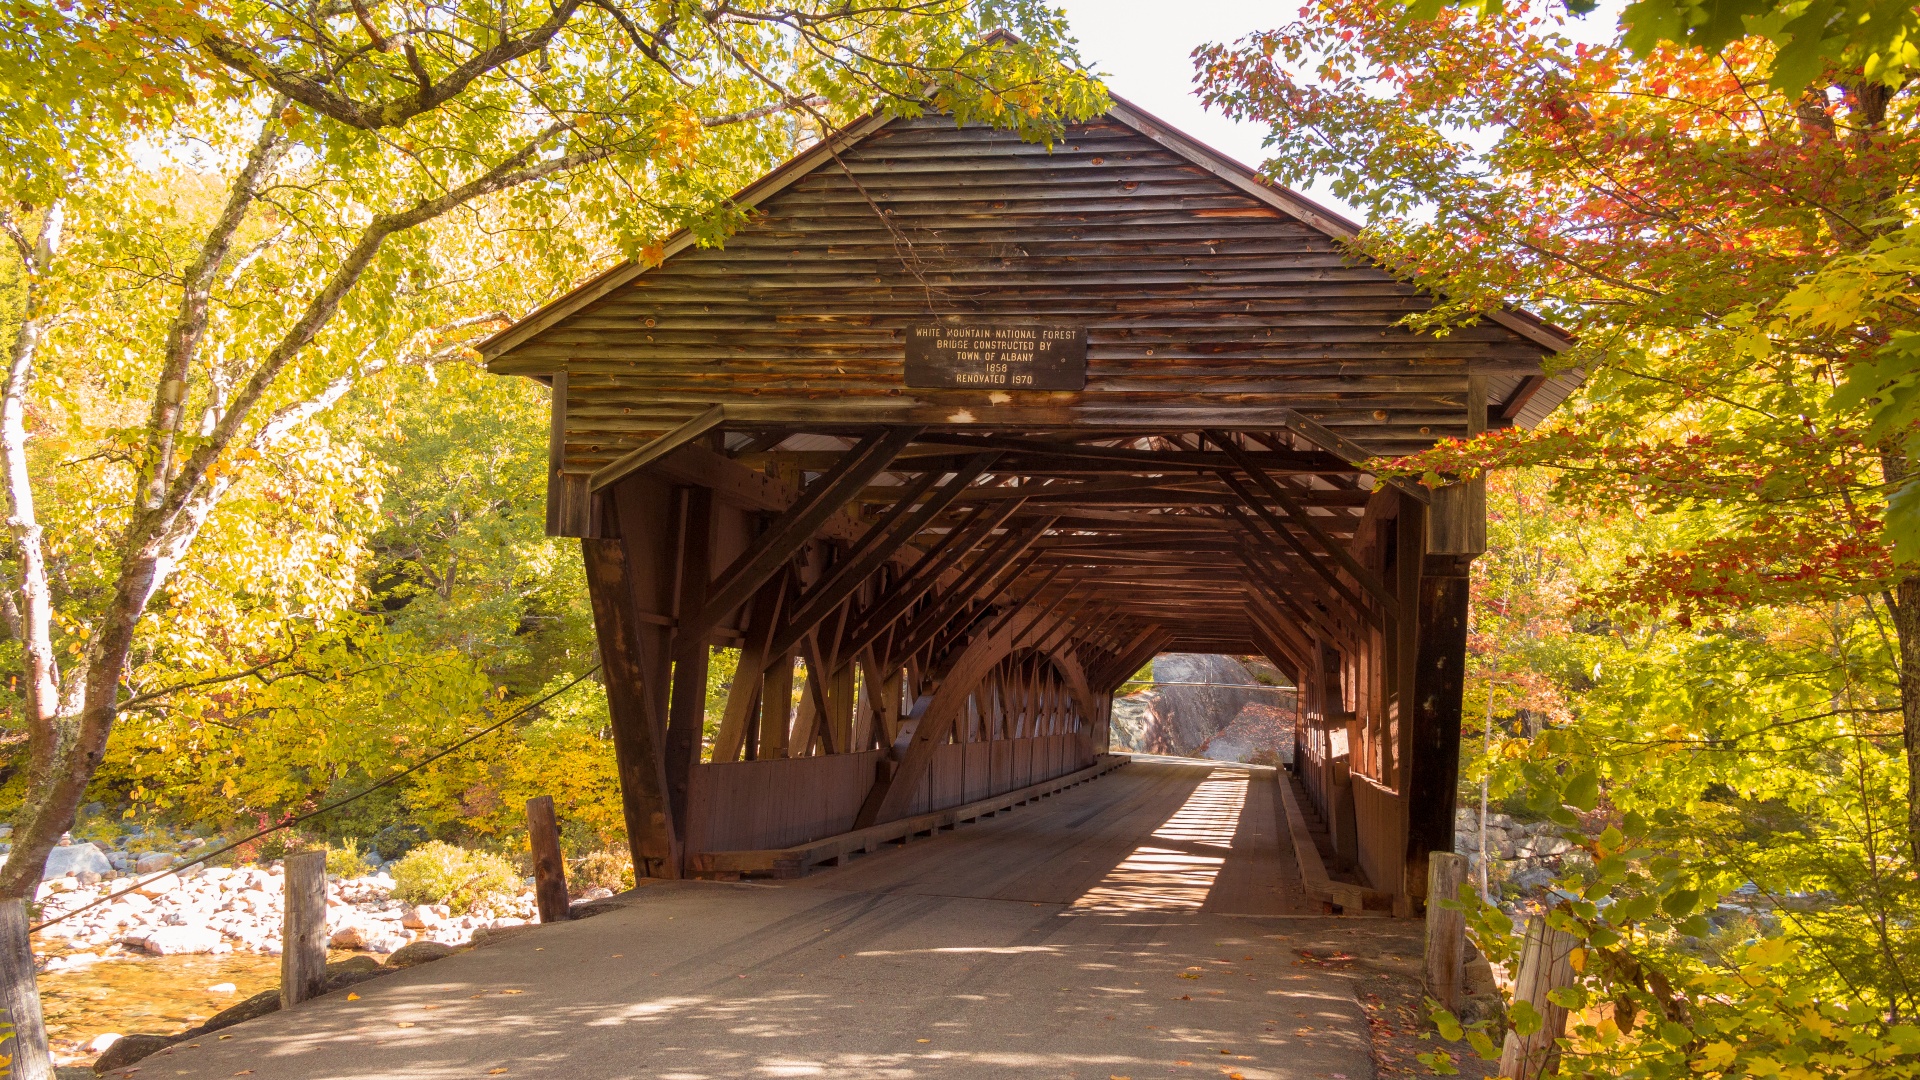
974 427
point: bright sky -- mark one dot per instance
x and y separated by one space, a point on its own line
1144 48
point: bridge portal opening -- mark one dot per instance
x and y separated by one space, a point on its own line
1212 706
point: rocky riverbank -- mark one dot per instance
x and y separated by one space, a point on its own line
201 910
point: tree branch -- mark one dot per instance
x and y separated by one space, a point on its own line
316 93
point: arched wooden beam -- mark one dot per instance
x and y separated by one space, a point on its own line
933 715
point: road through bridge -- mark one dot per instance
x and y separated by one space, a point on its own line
1144 924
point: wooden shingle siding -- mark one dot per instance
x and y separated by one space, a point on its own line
1192 292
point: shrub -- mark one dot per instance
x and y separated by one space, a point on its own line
346 861
602 869
439 873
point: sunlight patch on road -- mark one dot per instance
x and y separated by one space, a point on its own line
1171 875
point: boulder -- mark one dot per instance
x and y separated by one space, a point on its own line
350 936
152 862
128 1049
75 859
1196 697
354 969
419 918
260 1004
420 952
180 941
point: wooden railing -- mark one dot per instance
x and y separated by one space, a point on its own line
746 806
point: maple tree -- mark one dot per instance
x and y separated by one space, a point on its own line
1702 643
227 221
1677 213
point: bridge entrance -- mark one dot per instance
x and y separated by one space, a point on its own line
974 428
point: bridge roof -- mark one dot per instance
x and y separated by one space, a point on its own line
1216 308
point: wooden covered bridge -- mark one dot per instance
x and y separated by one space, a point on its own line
973 428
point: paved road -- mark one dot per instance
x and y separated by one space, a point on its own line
1143 925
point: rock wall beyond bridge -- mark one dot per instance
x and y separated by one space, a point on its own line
1197 707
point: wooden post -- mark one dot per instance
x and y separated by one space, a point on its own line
1546 965
687 707
1446 930
1433 736
549 866
303 930
26 1043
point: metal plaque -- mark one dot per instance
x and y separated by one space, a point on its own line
988 356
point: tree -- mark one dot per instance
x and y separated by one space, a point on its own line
1675 211
345 191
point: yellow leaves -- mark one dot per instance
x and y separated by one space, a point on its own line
1818 1024
1770 951
1577 958
1717 1055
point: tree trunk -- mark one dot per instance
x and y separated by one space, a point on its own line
1905 603
1906 626
25 1040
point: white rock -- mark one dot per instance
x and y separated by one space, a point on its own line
350 936
101 1042
134 903
420 918
159 886
222 988
180 941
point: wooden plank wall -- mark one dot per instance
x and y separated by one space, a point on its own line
778 802
749 805
1380 818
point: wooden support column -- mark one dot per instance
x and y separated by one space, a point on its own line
1456 532
692 651
629 645
776 707
744 694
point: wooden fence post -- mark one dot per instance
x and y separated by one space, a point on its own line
1446 929
1546 965
303 928
549 866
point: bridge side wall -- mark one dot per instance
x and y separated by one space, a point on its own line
779 802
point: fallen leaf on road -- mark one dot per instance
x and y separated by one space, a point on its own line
226 1036
1188 975
495 1072
1186 997
404 1023
923 1040
513 991
351 996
